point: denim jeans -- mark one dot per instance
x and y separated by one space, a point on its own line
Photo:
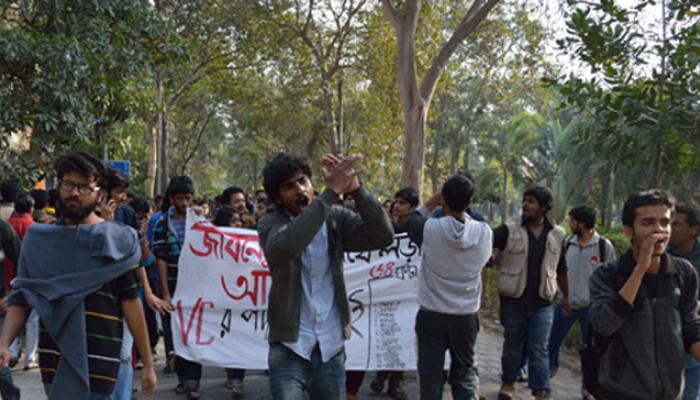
436 333
125 381
295 378
122 390
521 326
692 378
561 327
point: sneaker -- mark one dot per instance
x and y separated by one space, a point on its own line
542 394
507 391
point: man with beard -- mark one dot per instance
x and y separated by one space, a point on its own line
168 239
585 250
79 277
645 306
304 238
531 264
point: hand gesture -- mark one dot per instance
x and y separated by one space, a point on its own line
107 208
339 173
648 248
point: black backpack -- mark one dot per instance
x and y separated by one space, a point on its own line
602 248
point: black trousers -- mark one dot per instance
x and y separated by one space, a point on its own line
437 333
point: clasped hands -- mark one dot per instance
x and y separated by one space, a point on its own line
339 173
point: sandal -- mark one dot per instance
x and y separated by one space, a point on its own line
193 394
395 391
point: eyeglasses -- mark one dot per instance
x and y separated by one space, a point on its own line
261 200
83 190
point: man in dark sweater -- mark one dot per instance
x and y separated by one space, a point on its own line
645 304
304 238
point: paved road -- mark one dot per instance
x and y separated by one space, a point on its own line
565 384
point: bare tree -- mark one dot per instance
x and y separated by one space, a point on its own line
415 96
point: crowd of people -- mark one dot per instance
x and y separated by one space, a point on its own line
89 272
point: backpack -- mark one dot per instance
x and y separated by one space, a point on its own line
602 248
593 349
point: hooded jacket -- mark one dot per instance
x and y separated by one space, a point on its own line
454 253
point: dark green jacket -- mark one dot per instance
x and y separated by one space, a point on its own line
284 237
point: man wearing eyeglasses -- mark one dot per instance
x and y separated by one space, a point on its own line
79 276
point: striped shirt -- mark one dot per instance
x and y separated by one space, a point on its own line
104 329
167 244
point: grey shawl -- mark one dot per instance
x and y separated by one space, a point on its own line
59 266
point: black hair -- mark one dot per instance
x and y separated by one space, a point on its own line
112 179
53 198
9 190
280 169
648 198
410 195
543 195
230 191
23 203
140 204
40 198
257 192
585 215
692 214
80 162
224 217
181 184
457 192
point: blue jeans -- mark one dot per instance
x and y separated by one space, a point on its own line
520 326
692 378
561 327
125 380
436 333
295 378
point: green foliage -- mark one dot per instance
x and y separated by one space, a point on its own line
65 66
636 113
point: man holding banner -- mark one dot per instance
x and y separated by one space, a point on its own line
304 238
455 250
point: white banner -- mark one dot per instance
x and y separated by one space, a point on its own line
221 301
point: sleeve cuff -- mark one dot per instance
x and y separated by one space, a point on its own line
620 306
329 197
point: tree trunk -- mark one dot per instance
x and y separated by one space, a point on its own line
504 196
165 168
329 113
152 140
467 141
610 199
414 148
160 143
435 170
455 150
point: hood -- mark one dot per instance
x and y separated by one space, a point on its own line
457 233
